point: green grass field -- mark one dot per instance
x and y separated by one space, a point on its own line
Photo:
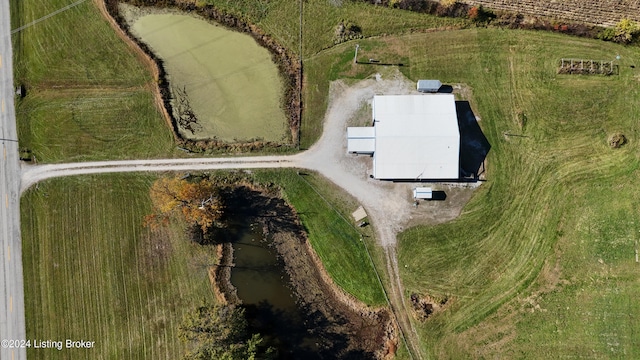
325 213
544 253
88 96
231 82
93 272
540 264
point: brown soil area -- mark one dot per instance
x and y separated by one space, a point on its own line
288 66
220 276
424 305
155 251
362 332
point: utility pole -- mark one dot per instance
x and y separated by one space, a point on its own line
299 76
355 57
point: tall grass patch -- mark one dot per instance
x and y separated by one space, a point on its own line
281 19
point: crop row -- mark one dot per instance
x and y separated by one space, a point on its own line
596 12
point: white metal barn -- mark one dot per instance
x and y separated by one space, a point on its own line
414 137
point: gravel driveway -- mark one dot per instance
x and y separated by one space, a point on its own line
389 205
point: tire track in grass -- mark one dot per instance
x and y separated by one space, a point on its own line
528 254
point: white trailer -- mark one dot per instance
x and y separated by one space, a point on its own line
423 193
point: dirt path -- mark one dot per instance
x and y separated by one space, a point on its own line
388 205
32 174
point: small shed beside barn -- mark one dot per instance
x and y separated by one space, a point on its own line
430 86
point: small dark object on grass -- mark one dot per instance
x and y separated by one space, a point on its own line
617 140
363 224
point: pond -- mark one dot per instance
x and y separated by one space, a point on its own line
264 287
223 77
285 297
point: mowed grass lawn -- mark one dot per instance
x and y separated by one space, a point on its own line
541 263
325 214
93 272
87 95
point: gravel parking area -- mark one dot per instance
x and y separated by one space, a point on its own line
390 205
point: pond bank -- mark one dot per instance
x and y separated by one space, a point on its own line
341 326
288 66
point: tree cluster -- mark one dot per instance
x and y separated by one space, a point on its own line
216 332
197 201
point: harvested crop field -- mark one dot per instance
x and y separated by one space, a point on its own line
93 272
225 86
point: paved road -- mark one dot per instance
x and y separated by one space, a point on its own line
12 325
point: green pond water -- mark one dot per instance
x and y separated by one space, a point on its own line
232 85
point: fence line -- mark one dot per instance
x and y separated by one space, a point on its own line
587 67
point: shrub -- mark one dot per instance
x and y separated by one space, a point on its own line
479 14
625 32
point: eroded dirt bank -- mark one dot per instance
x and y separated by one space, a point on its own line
347 328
